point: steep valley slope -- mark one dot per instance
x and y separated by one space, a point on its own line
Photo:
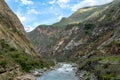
46 36
90 37
17 54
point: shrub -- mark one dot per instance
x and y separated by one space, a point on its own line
10 56
89 26
25 61
3 63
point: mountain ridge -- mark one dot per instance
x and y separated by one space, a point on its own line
17 54
64 22
94 44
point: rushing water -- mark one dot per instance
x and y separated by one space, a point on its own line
63 72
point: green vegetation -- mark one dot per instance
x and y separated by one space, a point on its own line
105 65
14 30
3 63
89 27
26 62
79 16
105 59
10 57
106 68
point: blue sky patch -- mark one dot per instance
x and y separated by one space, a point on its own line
37 12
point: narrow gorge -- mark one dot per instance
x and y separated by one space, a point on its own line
83 46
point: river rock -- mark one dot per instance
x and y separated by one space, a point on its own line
26 77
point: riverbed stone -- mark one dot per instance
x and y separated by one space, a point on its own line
26 77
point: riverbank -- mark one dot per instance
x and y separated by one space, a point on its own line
62 71
53 73
33 74
40 72
26 77
85 75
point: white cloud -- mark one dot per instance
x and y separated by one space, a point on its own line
60 17
26 2
36 24
29 28
22 18
33 11
63 3
52 2
86 3
26 20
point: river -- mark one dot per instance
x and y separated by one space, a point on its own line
63 72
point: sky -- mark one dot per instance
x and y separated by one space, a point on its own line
38 12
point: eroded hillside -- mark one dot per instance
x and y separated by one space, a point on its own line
17 54
91 38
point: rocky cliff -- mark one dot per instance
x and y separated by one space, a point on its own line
91 38
17 54
45 42
44 37
80 35
94 44
12 31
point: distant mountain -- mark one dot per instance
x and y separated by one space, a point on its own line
90 37
17 54
44 37
85 32
81 15
44 42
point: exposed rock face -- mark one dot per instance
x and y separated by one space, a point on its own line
57 31
45 42
16 51
75 37
92 41
12 31
44 37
